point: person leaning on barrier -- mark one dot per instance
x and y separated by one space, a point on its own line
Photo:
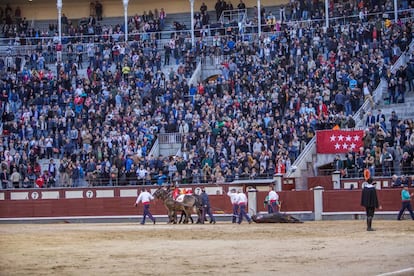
15 179
273 201
396 181
233 199
4 178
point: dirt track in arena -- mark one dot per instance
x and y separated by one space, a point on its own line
311 248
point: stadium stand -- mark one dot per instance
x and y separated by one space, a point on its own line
96 105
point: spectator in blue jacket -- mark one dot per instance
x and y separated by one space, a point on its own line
161 178
406 202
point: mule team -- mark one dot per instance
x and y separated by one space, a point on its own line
188 203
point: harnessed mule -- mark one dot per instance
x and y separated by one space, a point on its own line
190 204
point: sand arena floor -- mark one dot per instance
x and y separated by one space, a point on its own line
311 248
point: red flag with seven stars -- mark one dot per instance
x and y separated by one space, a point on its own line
338 141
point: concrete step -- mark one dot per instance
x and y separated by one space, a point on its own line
81 72
403 110
409 97
397 107
168 150
112 21
399 112
406 104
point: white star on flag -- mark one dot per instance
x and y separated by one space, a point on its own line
333 137
348 138
353 146
340 137
337 146
345 146
356 138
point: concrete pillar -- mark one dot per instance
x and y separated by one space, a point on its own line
327 14
259 18
125 2
59 6
252 201
192 22
395 11
318 202
278 182
336 180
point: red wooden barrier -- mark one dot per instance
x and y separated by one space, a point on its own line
350 200
117 201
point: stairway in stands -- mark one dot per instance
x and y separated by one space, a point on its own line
403 110
308 161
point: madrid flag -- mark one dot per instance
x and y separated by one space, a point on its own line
338 141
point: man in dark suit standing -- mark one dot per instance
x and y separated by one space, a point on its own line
98 10
369 200
4 179
370 119
379 116
205 201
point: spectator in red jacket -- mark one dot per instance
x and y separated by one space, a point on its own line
280 167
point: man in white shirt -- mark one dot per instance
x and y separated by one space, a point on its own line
242 202
233 199
273 200
49 146
257 147
141 172
145 197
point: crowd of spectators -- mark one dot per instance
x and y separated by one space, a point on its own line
18 31
248 122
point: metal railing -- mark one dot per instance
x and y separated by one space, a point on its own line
161 38
196 75
299 162
155 149
95 180
170 138
228 16
359 114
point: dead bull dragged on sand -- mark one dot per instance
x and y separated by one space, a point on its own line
275 218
